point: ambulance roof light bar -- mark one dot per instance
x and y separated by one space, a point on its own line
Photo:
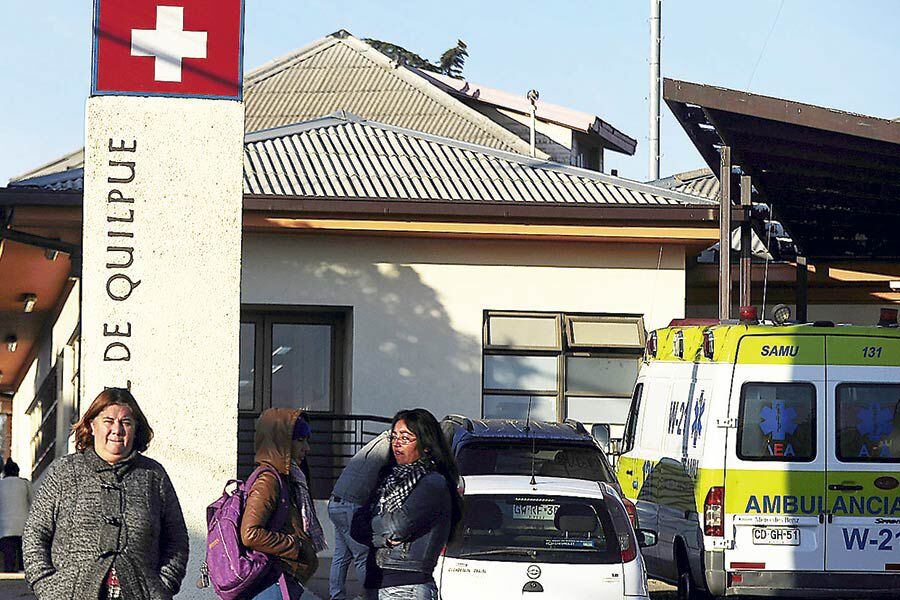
888 317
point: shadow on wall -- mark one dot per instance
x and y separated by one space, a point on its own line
404 351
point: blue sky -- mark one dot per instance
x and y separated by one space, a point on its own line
589 55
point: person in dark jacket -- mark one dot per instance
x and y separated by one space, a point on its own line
281 438
415 508
106 522
351 491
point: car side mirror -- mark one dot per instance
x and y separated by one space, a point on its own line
646 537
600 432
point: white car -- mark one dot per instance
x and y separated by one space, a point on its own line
555 539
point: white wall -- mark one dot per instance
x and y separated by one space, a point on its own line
418 303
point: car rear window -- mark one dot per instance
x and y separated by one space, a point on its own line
868 422
522 528
550 459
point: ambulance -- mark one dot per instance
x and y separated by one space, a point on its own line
767 458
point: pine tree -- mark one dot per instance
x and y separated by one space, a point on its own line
454 59
451 62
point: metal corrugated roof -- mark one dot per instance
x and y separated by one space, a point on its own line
70 179
345 156
699 182
341 72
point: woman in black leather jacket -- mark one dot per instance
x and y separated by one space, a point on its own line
414 510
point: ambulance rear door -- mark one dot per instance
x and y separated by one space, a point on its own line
775 455
863 470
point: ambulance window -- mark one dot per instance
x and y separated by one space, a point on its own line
631 423
777 422
868 422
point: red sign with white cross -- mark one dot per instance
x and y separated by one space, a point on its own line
168 48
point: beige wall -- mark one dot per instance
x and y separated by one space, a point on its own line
417 304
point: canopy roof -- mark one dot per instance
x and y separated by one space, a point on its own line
832 177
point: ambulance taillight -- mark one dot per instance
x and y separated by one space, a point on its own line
709 343
631 509
652 342
714 512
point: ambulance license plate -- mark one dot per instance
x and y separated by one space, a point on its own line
776 536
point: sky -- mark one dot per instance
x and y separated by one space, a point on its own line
587 55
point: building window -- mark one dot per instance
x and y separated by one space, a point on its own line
560 365
288 359
43 413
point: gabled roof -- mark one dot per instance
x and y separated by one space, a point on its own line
576 120
344 156
341 72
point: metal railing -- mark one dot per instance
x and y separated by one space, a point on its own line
335 439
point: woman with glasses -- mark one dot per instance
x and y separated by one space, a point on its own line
106 522
414 510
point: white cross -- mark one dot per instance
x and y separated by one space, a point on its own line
169 43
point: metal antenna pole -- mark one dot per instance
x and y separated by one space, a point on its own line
655 43
533 98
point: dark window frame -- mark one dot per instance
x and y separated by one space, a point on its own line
814 423
837 424
265 317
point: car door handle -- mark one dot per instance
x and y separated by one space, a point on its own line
840 487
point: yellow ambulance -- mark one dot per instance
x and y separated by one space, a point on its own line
768 459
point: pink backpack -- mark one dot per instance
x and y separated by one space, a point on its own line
234 571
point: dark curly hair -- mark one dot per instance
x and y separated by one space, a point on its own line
143 433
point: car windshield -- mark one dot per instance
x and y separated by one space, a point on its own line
551 529
548 458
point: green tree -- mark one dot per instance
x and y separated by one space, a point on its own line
454 59
451 62
401 55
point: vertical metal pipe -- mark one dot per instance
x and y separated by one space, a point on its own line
725 233
746 242
533 98
802 289
655 43
533 125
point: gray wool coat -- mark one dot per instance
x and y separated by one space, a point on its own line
89 515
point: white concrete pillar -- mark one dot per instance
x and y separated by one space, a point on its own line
162 235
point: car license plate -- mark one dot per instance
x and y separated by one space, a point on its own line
776 536
534 512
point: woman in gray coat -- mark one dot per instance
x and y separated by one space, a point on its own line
106 522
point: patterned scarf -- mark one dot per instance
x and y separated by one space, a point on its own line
395 488
303 500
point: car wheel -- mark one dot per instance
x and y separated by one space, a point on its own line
687 589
